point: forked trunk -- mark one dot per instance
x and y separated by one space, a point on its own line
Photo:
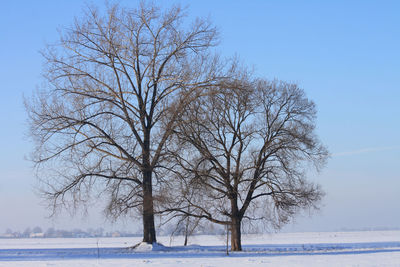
149 231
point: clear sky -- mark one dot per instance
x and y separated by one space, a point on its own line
345 54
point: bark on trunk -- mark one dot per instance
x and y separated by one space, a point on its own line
236 235
236 220
149 231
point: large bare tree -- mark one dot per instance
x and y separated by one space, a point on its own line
116 86
243 152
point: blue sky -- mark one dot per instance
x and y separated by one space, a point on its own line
345 54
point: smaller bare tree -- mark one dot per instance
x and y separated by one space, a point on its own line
243 152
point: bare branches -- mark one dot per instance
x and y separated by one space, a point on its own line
137 110
117 85
247 141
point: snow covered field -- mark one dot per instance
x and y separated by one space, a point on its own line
377 248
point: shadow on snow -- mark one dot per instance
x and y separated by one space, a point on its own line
196 251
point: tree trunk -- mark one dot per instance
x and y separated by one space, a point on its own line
149 232
236 220
186 231
236 235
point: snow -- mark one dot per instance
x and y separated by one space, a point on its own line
376 248
145 247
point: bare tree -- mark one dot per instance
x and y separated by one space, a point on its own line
116 86
243 152
184 223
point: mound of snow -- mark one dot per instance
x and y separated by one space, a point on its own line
146 247
143 247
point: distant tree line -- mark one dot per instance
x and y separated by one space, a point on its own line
51 232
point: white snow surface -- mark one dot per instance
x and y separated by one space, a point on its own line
375 248
145 247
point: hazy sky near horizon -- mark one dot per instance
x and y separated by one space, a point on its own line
345 54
